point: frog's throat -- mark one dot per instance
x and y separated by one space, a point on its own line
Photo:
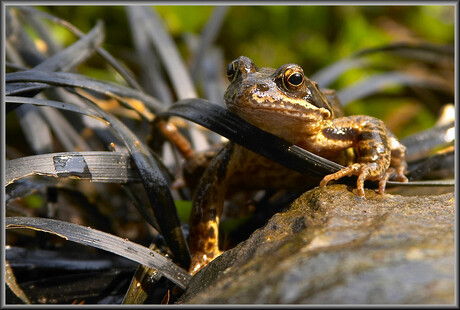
273 111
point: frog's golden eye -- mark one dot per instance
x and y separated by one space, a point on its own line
232 70
293 79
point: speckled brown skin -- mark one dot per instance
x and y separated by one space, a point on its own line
286 103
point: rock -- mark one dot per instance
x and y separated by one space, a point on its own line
333 247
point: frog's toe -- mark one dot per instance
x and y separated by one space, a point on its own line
383 183
363 172
347 171
400 174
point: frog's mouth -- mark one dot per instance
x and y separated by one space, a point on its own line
290 124
279 111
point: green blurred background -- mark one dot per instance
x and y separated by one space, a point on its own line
312 36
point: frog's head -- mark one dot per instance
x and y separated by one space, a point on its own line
282 101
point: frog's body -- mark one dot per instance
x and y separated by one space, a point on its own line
286 103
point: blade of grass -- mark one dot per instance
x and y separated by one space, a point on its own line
213 84
378 82
124 72
164 44
151 171
35 128
76 53
28 89
54 104
170 57
66 134
80 81
21 42
422 142
427 52
327 75
153 77
432 163
148 216
24 187
97 166
208 35
106 242
81 261
141 285
43 31
428 183
10 280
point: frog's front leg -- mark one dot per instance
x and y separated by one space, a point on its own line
373 145
207 208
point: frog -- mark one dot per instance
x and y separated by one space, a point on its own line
286 103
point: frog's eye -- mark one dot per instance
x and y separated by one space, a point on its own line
293 79
232 70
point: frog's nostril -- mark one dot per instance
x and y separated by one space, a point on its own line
262 87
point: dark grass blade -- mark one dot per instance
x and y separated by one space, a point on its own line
23 187
106 242
329 74
96 166
63 79
10 280
422 142
86 287
43 32
428 183
208 35
427 52
141 285
151 171
15 67
231 126
124 72
54 104
432 163
21 43
32 258
213 86
168 52
65 60
35 129
64 131
72 55
171 61
153 77
378 82
76 53
28 89
148 216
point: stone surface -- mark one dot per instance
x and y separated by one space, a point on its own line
332 247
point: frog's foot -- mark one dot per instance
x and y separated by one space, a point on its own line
400 171
391 172
200 260
363 172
